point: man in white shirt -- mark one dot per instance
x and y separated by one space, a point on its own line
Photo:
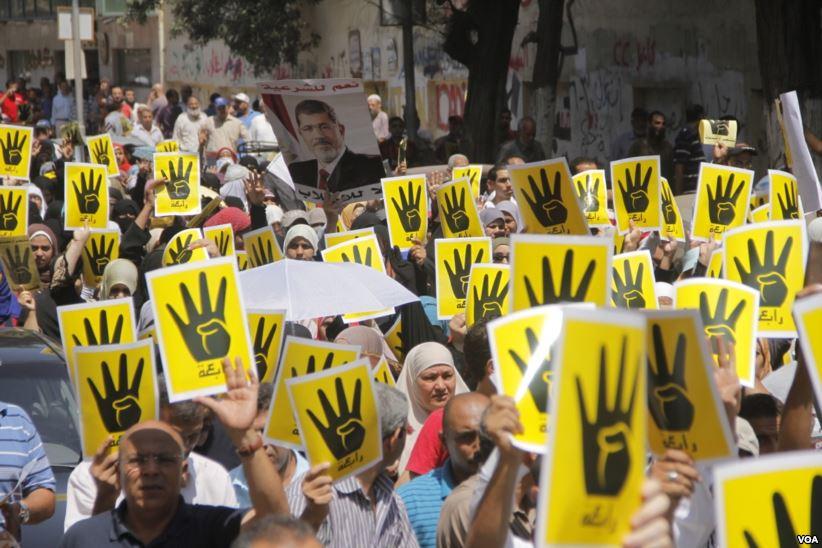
145 130
190 127
379 119
93 486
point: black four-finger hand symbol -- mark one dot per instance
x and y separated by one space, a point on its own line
787 534
546 202
668 209
667 394
628 292
588 193
119 407
180 253
87 194
205 333
222 241
105 337
488 303
262 252
605 452
311 367
565 292
99 256
17 263
541 383
12 149
345 431
766 275
460 272
262 344
789 202
718 323
408 208
454 211
635 190
358 257
722 201
8 212
101 152
179 180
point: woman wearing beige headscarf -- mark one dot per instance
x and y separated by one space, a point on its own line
119 280
429 379
370 341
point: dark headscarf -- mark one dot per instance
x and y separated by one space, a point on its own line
123 207
209 180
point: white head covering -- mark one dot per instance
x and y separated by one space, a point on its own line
302 231
233 184
420 358
34 189
273 214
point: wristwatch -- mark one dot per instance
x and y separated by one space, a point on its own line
24 514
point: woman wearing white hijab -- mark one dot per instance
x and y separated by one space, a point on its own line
429 379
37 199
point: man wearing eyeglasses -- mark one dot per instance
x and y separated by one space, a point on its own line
152 470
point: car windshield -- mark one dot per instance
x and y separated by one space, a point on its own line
44 391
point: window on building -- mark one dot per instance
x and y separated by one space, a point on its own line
132 67
35 9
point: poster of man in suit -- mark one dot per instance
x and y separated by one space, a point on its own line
326 137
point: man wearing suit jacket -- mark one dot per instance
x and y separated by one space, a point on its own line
335 167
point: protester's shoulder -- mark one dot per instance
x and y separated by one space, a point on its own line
205 465
93 531
13 413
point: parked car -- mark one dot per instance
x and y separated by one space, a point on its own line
34 376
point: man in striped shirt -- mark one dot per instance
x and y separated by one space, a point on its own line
26 481
364 510
423 496
688 153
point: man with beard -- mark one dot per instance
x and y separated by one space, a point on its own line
654 143
335 166
423 496
190 127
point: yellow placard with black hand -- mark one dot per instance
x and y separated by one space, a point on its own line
394 338
521 347
102 247
180 195
365 251
770 258
267 328
406 210
86 192
262 247
636 192
169 145
101 151
177 249
591 190
95 323
337 238
200 318
673 228
773 500
338 418
223 238
382 373
15 151
242 260
14 211
547 198
685 411
300 357
758 199
633 281
117 389
595 463
786 204
471 172
556 269
487 296
19 266
715 263
761 214
458 210
454 258
807 313
722 197
727 309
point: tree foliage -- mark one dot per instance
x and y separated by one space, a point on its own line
266 33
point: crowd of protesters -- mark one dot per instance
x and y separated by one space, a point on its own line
449 476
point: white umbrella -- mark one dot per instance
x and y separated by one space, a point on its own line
310 289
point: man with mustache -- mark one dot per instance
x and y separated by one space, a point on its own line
423 496
335 166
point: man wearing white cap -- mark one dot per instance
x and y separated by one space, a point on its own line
242 105
379 119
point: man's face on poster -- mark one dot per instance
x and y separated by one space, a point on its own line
323 137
